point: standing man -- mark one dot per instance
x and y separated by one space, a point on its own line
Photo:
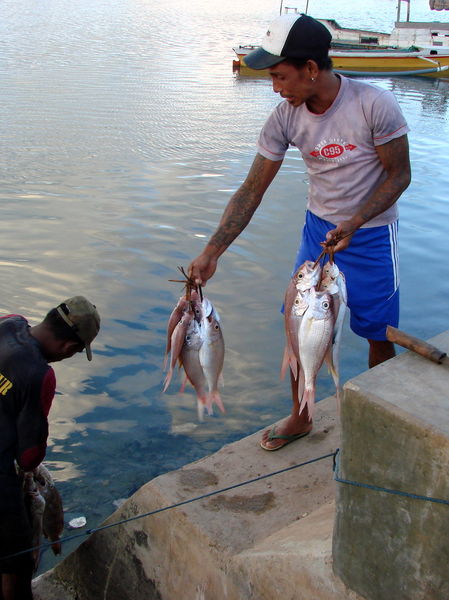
352 138
27 388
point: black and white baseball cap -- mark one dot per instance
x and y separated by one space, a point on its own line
290 36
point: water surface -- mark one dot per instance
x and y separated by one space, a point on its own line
124 133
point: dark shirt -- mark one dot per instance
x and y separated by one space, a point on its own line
27 388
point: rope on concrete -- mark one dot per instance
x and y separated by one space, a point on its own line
334 455
178 504
378 488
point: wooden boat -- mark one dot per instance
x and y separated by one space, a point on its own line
412 48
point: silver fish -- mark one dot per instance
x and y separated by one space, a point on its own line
295 305
197 343
190 359
334 283
211 353
315 341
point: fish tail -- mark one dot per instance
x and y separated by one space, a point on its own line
208 404
215 398
308 401
56 547
284 364
183 385
332 371
335 376
168 379
288 361
200 408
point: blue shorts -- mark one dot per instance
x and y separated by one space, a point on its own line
370 265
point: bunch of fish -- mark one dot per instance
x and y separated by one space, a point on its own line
195 341
44 506
314 310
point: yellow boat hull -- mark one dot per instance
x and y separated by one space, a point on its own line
407 63
380 63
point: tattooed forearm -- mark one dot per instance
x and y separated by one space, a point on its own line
395 159
384 197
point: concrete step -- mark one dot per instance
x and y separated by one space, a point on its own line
267 539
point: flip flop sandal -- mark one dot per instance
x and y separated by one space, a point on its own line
287 439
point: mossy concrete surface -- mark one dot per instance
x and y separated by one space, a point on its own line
268 539
395 424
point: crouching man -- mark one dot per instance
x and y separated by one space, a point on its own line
27 388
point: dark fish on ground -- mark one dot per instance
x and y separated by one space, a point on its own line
35 505
53 517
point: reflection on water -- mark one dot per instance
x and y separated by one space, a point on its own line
124 133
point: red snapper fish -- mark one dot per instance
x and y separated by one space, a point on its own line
196 342
175 317
177 341
305 350
190 359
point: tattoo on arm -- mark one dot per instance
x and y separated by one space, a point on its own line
395 159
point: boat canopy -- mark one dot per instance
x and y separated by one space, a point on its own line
439 4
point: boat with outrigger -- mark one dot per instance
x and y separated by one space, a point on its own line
412 48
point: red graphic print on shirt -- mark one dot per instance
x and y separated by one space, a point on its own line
336 150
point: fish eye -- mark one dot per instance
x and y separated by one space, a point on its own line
325 304
300 275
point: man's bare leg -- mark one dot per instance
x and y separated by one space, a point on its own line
379 352
293 425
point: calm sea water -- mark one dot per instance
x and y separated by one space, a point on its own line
124 132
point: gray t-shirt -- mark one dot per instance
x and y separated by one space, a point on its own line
338 147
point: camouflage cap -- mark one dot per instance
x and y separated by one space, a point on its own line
82 316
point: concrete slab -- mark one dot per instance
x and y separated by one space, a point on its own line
203 549
413 384
293 563
395 427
